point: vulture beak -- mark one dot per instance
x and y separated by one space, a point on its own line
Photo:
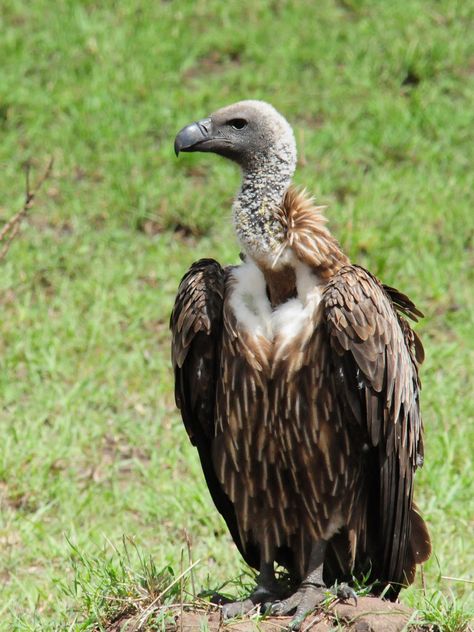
194 137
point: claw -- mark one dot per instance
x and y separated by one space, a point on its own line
280 608
237 608
304 600
311 601
344 592
261 595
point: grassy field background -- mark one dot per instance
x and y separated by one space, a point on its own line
381 97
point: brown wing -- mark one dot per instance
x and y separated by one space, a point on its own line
374 356
196 325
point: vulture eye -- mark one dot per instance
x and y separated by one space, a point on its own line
238 123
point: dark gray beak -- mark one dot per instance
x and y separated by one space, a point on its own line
193 137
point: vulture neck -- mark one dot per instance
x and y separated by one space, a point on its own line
256 212
255 209
281 229
284 233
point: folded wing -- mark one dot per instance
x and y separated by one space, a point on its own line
375 356
196 326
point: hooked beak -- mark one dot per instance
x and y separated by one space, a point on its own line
193 137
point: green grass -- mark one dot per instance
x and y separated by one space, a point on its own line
380 95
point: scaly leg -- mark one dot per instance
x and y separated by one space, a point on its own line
312 590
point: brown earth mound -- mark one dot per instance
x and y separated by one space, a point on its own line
370 615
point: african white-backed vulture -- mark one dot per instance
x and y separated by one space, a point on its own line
297 380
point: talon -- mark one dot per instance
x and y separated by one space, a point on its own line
286 606
276 608
344 592
261 596
236 608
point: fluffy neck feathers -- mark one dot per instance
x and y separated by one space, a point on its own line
278 226
307 236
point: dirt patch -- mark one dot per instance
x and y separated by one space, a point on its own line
215 62
16 499
370 615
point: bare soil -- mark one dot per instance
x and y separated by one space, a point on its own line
370 615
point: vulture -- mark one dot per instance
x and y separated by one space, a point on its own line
296 374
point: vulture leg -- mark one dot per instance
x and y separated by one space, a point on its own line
310 594
312 591
267 589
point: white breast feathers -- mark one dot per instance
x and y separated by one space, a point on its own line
253 311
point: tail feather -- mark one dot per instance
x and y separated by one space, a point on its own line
419 548
338 565
420 542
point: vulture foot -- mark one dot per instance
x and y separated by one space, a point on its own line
307 599
260 595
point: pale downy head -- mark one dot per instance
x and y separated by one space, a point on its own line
255 136
247 132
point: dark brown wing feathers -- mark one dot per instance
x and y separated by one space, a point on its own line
375 354
196 325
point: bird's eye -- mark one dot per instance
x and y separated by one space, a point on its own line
238 123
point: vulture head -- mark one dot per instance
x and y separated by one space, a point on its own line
259 139
251 133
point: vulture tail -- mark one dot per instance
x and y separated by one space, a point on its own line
337 564
419 547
